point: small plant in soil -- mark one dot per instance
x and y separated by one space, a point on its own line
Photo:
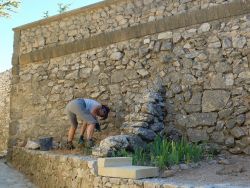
164 153
87 151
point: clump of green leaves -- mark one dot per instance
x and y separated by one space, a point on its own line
8 6
121 153
162 152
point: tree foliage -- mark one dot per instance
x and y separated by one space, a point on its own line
8 6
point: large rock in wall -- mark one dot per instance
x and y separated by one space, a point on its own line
203 68
5 78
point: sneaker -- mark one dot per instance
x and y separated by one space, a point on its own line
69 145
90 143
81 140
98 127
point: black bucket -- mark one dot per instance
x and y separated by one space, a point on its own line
46 143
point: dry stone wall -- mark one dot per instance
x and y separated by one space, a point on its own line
55 170
5 78
58 170
47 169
109 16
202 68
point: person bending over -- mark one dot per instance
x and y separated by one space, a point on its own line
86 110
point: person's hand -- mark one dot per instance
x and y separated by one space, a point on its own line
98 127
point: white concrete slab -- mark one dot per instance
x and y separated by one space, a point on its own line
131 172
114 161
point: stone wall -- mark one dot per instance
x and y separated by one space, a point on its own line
55 170
200 58
104 17
5 78
46 169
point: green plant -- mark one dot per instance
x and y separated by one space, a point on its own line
139 157
87 151
120 153
8 6
162 152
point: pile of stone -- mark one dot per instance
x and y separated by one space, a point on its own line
141 126
147 120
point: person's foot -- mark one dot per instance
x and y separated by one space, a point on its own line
98 127
69 145
81 140
90 143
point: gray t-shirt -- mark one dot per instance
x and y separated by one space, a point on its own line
91 104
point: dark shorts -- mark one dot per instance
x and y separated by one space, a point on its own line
76 109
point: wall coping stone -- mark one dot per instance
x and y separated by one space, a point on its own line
74 12
50 153
169 23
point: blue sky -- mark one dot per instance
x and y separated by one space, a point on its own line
29 11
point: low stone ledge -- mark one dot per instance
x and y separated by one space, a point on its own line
48 169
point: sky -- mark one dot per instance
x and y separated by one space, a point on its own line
29 11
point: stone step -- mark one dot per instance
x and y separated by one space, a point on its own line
114 161
121 167
131 172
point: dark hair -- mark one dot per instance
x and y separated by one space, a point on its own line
106 111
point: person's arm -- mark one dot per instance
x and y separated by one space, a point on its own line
95 110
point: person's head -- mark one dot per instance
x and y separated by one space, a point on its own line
104 112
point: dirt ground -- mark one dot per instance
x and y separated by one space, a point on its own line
98 136
227 171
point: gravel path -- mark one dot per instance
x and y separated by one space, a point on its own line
11 178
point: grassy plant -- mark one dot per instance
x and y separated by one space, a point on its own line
162 152
87 151
139 157
121 153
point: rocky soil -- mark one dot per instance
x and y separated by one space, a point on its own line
224 171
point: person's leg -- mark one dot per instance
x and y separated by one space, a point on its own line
71 133
83 128
90 132
72 130
73 127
